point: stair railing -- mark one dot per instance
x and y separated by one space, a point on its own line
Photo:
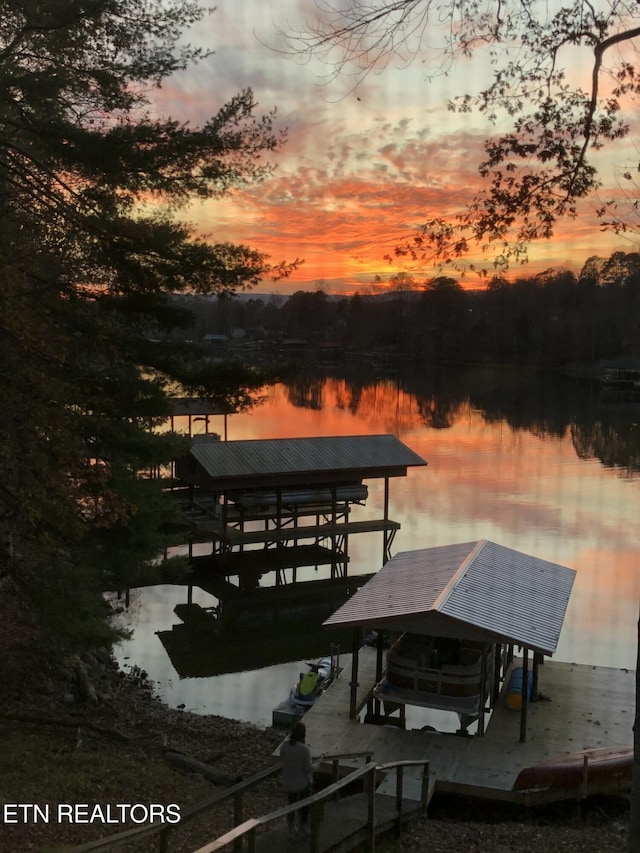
248 830
235 792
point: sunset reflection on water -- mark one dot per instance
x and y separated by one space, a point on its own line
524 487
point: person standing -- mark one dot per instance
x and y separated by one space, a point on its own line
297 775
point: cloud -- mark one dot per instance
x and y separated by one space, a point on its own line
344 205
360 169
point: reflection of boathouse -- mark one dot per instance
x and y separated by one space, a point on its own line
269 508
458 611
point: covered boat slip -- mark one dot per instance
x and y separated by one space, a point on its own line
475 599
198 412
473 603
247 496
278 508
280 463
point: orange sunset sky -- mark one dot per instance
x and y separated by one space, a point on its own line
362 166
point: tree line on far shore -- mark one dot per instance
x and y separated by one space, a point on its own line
551 319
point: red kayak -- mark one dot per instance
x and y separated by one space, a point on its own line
610 764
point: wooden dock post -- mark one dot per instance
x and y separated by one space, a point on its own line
371 810
353 703
524 694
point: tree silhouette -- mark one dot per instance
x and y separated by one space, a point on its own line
91 253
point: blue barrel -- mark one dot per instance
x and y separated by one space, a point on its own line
514 688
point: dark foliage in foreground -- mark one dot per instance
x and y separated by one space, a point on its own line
90 254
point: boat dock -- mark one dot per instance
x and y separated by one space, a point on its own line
274 505
588 708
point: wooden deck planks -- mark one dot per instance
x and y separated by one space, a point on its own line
327 722
588 707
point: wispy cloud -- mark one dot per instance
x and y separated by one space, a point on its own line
360 169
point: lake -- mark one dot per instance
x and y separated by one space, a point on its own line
533 462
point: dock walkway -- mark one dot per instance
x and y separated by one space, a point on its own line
589 707
585 708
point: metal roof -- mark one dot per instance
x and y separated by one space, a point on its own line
264 462
471 589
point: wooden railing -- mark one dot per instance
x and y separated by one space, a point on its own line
236 792
367 774
312 531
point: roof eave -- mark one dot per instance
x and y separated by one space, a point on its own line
439 625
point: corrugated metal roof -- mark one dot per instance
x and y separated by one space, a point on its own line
260 459
479 585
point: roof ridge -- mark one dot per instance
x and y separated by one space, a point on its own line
447 592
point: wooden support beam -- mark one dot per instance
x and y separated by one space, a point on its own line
371 811
497 668
379 665
524 694
353 700
334 521
386 543
534 683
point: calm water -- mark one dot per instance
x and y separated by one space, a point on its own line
545 467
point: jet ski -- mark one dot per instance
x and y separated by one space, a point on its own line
312 683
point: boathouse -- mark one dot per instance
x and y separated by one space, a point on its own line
280 492
199 415
455 614
498 610
271 507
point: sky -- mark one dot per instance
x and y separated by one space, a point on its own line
363 165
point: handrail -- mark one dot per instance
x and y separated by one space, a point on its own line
251 826
110 842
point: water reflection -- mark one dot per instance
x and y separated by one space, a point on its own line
534 463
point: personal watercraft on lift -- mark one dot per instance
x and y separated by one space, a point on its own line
312 683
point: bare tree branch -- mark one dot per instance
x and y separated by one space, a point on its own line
537 171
